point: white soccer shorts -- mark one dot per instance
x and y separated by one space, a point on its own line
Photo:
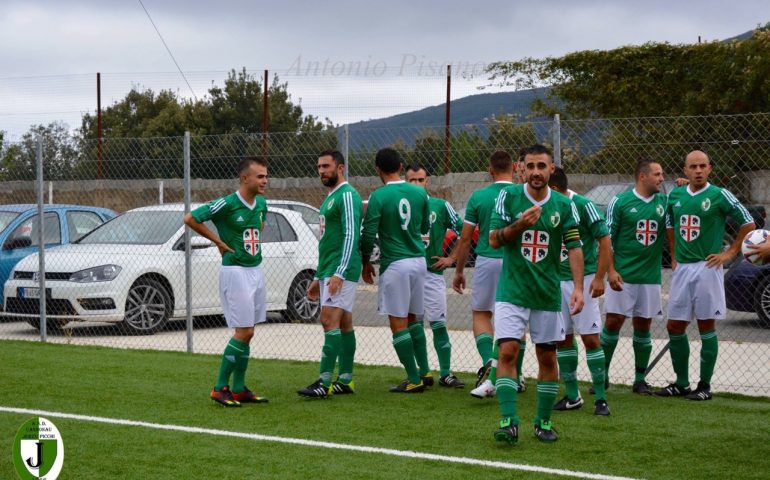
635 300
344 298
435 297
697 292
484 285
243 295
511 322
589 320
402 287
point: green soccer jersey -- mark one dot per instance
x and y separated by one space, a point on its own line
238 225
399 213
698 220
531 262
339 250
442 217
481 204
592 227
637 231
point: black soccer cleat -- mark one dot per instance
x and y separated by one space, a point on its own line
642 388
407 387
673 390
224 397
508 431
703 392
450 381
483 372
601 408
343 388
544 431
427 379
316 389
567 404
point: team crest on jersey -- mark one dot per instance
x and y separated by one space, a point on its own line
330 204
251 241
705 204
660 210
321 224
432 218
534 245
555 219
646 232
689 227
564 253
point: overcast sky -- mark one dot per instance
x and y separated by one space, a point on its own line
51 49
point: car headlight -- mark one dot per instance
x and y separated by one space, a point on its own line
104 273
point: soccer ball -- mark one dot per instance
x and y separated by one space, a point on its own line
754 237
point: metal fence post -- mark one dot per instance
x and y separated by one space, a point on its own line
557 140
187 248
41 241
345 151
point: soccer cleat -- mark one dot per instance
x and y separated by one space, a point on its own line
508 431
486 389
673 390
703 392
545 432
408 387
642 388
601 408
247 396
427 379
224 397
483 373
316 389
567 404
522 385
450 381
343 388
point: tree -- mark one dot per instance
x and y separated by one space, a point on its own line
60 154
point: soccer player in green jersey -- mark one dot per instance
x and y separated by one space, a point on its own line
239 219
636 220
588 323
339 267
400 213
695 222
442 217
489 262
530 223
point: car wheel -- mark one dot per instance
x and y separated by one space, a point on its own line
51 326
762 300
148 307
299 307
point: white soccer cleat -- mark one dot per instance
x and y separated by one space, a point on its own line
486 389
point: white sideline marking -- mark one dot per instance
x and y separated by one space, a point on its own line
314 443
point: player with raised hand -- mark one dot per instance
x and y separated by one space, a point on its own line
399 213
695 222
530 223
339 268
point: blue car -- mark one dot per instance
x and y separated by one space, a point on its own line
747 289
62 224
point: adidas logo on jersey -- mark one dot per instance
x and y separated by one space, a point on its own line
677 204
633 210
239 219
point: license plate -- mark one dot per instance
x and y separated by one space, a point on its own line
32 292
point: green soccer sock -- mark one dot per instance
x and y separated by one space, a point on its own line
239 372
520 361
609 339
546 396
493 369
484 346
642 349
420 345
402 342
507 397
708 355
679 346
596 365
443 347
230 357
329 352
347 354
568 362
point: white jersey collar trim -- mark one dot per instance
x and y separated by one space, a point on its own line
540 203
692 194
250 207
337 188
644 199
505 181
395 182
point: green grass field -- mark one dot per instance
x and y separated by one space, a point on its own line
644 437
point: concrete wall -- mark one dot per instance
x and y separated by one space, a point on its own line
122 195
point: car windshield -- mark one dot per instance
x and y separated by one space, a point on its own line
137 228
602 194
6 218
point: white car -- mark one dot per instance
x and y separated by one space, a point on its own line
131 270
310 214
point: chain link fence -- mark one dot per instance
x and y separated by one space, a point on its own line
126 285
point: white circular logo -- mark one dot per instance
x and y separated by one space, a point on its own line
38 450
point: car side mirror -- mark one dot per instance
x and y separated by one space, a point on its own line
18 242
